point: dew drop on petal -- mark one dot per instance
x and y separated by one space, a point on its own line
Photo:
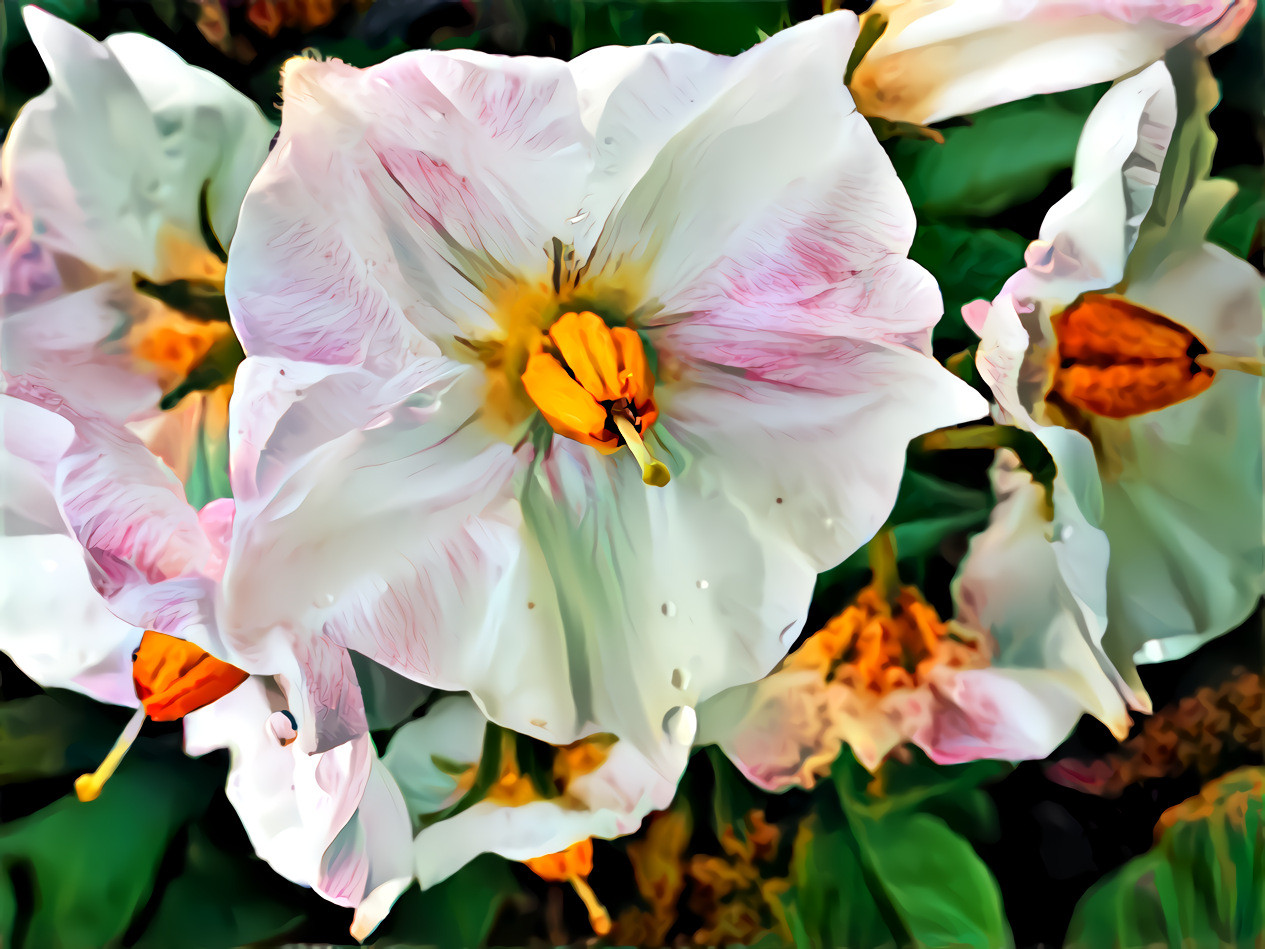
681 724
702 584
668 609
1065 533
680 679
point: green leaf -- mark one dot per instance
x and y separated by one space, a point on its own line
733 796
937 883
489 769
74 875
726 27
454 914
939 888
1005 156
45 736
1202 884
831 898
1238 228
968 264
217 901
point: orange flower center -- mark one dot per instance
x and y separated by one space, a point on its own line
876 647
1118 359
172 678
592 383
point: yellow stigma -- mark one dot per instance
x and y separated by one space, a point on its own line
88 786
653 471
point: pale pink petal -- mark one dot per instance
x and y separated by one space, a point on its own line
941 58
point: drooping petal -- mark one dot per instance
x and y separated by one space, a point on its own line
1035 586
302 811
941 58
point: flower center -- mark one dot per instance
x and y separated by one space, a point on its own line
172 678
877 647
592 383
1117 359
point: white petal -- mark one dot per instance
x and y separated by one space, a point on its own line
332 820
1087 235
608 802
118 148
1037 588
56 627
941 58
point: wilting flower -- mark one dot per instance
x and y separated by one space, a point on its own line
119 184
1127 336
936 59
566 379
1008 677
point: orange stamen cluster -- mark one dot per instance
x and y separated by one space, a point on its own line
592 383
512 788
1118 359
877 647
173 677
176 344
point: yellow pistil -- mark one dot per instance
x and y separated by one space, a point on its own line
653 471
1218 362
88 786
172 678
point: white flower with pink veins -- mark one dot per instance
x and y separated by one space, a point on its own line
565 380
935 59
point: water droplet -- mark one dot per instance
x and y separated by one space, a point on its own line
668 609
680 679
680 724
329 598
1065 533
283 726
578 218
702 584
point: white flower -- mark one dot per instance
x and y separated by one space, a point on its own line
1124 333
429 430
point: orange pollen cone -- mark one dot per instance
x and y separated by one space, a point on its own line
592 383
172 678
573 866
1118 359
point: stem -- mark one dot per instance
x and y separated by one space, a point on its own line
886 576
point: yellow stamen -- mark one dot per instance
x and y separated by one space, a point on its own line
1218 361
653 471
88 786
